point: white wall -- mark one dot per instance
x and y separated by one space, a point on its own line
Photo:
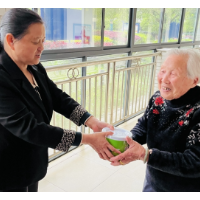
2 12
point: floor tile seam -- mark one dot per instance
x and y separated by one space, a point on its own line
104 180
124 174
96 162
61 162
53 185
67 157
133 171
57 186
112 172
45 185
136 167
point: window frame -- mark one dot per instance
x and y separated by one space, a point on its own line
195 29
59 54
118 46
159 31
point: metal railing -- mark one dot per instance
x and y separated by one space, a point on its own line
114 95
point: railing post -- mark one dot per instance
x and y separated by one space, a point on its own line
127 87
153 76
83 89
107 91
113 92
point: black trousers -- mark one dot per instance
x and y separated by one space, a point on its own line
30 188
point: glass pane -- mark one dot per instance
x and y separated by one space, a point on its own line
147 25
187 47
171 24
198 30
72 27
103 67
116 26
144 60
189 24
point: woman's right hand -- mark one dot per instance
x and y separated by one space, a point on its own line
135 152
99 143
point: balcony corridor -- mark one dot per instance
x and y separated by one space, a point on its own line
81 170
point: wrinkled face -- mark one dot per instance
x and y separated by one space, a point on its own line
28 49
172 77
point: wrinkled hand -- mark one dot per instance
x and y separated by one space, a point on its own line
97 125
135 152
99 143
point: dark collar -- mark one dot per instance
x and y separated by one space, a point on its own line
190 97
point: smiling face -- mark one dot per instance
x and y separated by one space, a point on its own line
172 77
28 50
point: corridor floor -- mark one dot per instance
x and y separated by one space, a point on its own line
81 170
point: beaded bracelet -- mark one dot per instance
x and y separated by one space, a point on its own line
146 155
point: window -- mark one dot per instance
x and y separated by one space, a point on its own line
171 24
186 47
189 24
145 60
116 26
198 31
147 25
72 27
103 67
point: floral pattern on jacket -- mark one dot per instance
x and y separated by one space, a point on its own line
159 106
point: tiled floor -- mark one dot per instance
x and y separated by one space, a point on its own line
81 170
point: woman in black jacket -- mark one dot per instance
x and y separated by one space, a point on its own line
27 100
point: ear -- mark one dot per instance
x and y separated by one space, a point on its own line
195 81
10 40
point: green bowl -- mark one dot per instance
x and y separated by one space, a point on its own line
119 145
118 139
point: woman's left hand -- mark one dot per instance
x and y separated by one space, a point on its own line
135 152
97 125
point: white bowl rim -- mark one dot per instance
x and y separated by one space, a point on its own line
118 138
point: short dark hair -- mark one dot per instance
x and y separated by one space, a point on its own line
17 21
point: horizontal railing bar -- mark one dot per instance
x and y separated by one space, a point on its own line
80 78
100 74
136 66
89 63
144 65
60 153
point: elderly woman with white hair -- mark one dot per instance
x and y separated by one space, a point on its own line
170 127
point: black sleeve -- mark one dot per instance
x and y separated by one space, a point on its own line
21 122
140 130
186 164
18 120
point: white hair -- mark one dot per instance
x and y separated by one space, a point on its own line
193 62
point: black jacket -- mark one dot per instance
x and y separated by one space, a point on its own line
25 133
172 130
